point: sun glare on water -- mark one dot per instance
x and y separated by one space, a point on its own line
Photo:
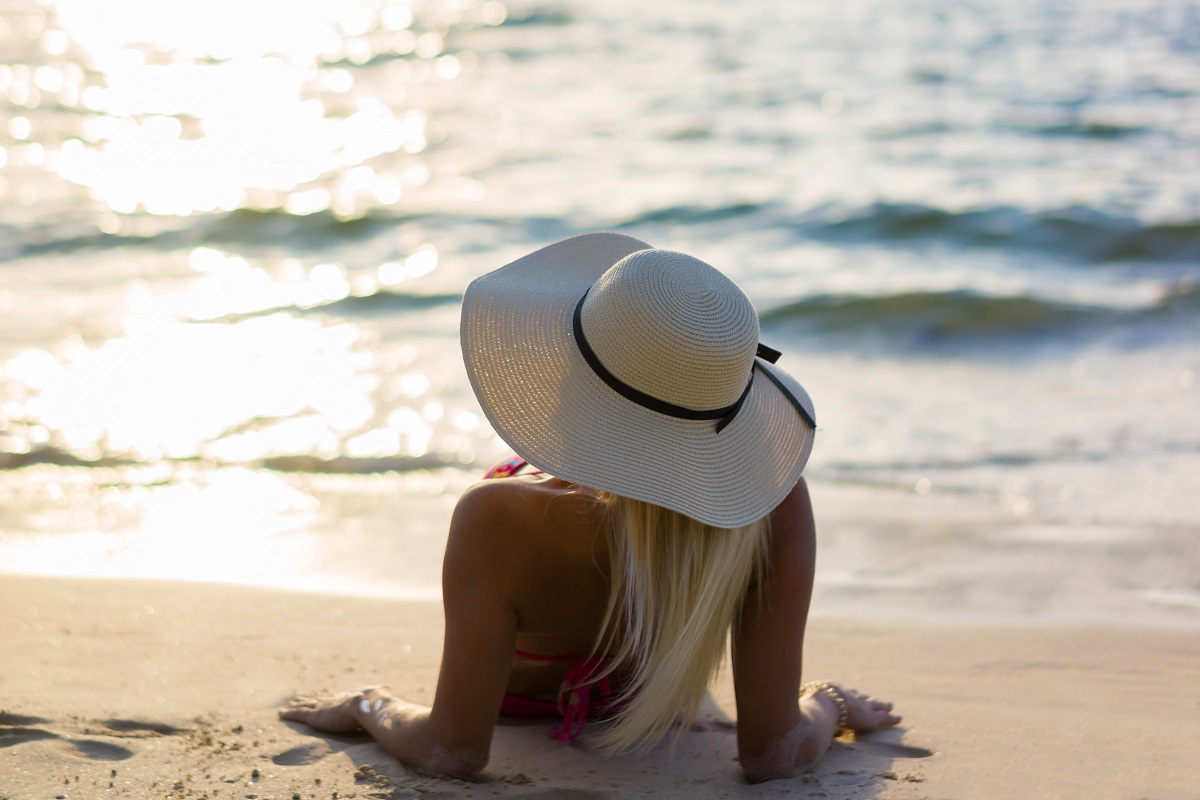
195 108
179 109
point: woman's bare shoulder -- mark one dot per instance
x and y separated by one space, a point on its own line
521 508
512 498
515 534
486 531
490 495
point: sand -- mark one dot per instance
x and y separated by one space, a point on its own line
141 689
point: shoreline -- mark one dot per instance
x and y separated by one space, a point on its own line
1186 622
885 553
169 689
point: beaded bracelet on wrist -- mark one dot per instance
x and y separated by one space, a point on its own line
830 691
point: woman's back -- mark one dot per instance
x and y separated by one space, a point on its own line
557 557
528 568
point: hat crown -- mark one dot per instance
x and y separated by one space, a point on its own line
673 327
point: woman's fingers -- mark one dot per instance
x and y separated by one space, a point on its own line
884 711
886 717
868 713
303 701
333 719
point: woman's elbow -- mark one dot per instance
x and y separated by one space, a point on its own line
441 762
787 756
462 764
413 744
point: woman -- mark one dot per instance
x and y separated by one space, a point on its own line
655 507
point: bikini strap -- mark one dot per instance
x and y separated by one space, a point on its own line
575 697
506 468
575 694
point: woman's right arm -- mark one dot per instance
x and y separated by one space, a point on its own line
777 736
454 736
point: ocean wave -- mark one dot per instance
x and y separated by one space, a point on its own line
1078 233
925 319
317 229
1070 234
345 465
379 303
386 302
1091 130
694 214
349 465
48 454
73 236
544 14
242 226
862 471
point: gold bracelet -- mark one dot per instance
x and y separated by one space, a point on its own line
830 691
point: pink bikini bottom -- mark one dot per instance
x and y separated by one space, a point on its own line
576 703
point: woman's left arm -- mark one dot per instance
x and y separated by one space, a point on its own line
453 737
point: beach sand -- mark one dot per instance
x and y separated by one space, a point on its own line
141 689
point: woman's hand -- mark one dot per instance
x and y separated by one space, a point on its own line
401 727
331 713
865 714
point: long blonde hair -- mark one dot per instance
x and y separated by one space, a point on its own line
677 585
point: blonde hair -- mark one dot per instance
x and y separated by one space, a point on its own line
677 585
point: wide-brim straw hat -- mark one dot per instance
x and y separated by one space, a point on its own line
664 336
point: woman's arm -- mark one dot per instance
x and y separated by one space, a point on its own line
778 736
454 736
401 727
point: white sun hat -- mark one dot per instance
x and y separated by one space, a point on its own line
614 365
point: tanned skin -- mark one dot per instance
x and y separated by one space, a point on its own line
526 567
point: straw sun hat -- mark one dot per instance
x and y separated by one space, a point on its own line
617 366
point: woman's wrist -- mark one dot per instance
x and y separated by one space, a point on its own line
370 708
378 711
836 696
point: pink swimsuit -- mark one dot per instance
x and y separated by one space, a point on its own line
576 703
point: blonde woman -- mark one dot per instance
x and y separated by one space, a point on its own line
654 511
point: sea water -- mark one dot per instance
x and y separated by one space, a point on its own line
234 237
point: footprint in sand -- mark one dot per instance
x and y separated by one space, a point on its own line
16 729
85 748
94 750
19 729
135 727
20 720
11 736
304 754
121 728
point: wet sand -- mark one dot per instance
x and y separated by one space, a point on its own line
144 689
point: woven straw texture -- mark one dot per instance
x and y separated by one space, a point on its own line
662 322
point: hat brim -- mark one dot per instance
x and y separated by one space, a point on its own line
543 399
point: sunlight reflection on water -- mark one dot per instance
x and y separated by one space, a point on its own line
201 108
211 385
177 109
